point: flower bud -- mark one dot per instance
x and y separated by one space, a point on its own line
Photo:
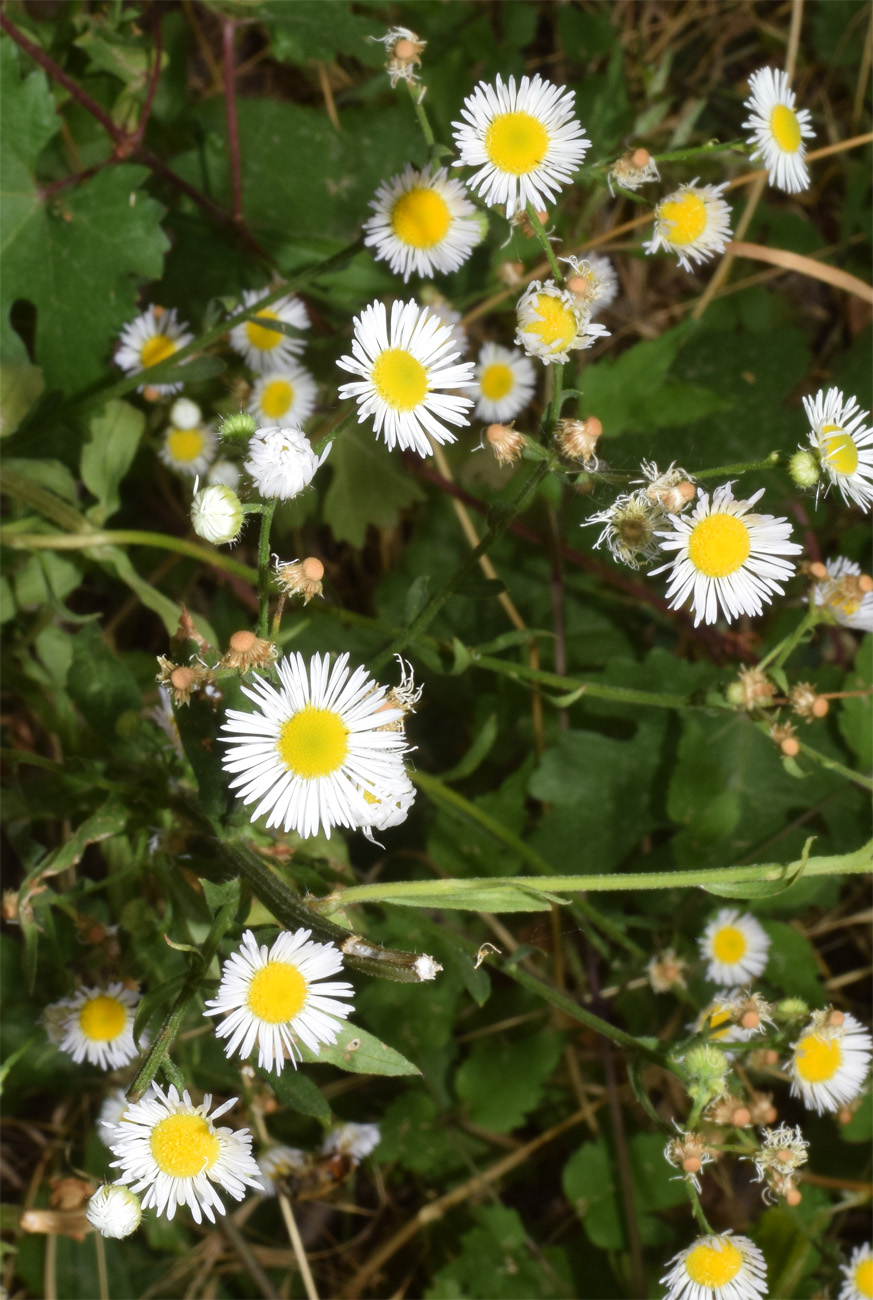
114 1211
217 514
804 469
239 427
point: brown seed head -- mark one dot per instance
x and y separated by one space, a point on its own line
691 1164
751 1020
741 1117
242 642
820 707
505 442
577 439
312 569
818 571
793 1196
640 158
405 49
182 679
790 747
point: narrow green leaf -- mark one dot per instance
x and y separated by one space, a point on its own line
360 1053
295 1089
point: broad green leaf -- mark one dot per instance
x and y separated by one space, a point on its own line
855 715
300 33
360 1053
416 1136
369 487
50 474
297 1090
590 1185
101 683
791 964
498 1259
502 1081
108 455
108 820
20 386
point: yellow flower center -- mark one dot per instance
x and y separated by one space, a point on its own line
156 349
712 1267
818 1059
719 545
496 381
185 445
102 1019
516 143
261 336
420 218
313 743
557 327
399 379
839 449
276 398
864 1277
785 128
184 1145
277 993
720 1017
686 218
729 945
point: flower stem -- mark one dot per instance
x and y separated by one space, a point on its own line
416 94
544 242
697 1208
264 566
786 648
770 462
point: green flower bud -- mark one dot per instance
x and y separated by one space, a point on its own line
791 1009
217 514
735 696
238 427
705 1071
804 468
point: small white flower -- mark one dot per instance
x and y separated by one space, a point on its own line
388 808
551 324
505 383
225 473
354 1140
717 1267
285 397
114 1105
426 968
830 1060
170 1149
312 746
278 1164
270 997
694 222
402 365
281 462
188 451
216 514
592 281
846 594
778 130
185 414
114 1211
735 946
97 1026
858 1274
630 528
728 559
260 346
524 140
152 337
422 223
844 444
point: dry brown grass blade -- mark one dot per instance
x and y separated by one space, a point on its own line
804 266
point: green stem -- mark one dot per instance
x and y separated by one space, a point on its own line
545 243
745 467
593 689
264 566
697 1208
125 537
416 94
787 647
345 417
857 778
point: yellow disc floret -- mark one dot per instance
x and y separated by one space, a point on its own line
557 326
719 545
156 349
818 1059
399 379
785 128
686 218
420 218
313 743
496 381
102 1019
516 143
184 445
184 1145
276 398
711 1267
864 1277
839 450
277 993
261 336
729 945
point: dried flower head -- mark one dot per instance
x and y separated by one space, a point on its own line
300 577
806 703
761 1108
729 1109
247 651
592 280
756 691
505 442
632 170
666 971
672 490
784 735
577 439
182 680
403 49
688 1152
629 528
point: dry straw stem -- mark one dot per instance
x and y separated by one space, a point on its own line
781 257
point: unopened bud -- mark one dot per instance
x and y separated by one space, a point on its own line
804 469
505 442
185 414
239 427
217 514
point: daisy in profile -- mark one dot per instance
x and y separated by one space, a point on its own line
284 396
97 1026
694 222
151 338
171 1149
830 1060
846 593
551 323
735 946
270 997
309 748
858 1274
387 809
356 1141
524 140
281 462
728 560
844 444
267 349
505 383
188 451
114 1211
592 280
717 1267
422 223
402 364
778 130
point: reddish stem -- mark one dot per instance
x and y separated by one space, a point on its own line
139 133
228 31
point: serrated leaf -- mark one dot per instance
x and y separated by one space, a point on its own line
108 455
502 1081
109 820
369 487
360 1053
295 1089
100 683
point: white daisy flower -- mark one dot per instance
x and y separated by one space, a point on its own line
170 1149
98 1026
830 1061
264 348
224 473
847 593
592 281
152 337
354 1140
505 383
858 1274
551 323
114 1211
524 139
188 451
717 1267
720 1020
113 1107
437 306
422 223
694 222
844 444
778 130
388 808
281 462
284 396
630 528
310 746
273 996
402 364
277 1164
782 1151
728 559
735 946
217 514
